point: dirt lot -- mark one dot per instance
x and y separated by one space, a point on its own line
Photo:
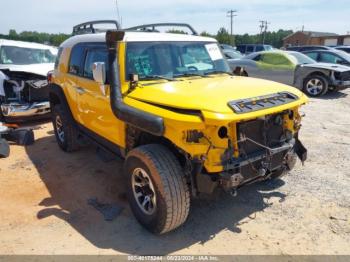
44 209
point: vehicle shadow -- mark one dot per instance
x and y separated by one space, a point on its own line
72 179
333 95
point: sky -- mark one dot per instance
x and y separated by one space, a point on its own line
59 16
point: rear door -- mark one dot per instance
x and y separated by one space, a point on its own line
94 99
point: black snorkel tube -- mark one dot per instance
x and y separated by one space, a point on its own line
140 119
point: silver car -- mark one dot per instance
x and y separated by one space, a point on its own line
295 69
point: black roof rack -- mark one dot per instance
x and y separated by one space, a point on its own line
152 27
89 27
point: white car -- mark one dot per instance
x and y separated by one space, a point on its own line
23 79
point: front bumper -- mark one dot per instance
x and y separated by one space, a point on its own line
341 84
28 110
261 165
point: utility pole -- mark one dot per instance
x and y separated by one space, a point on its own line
263 29
262 25
231 14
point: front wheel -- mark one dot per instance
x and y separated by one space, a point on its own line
315 85
157 190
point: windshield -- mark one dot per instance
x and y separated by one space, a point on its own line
174 59
232 55
302 59
268 48
344 55
14 55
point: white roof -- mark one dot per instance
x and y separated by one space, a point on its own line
139 37
25 44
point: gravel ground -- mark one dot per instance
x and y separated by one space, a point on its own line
44 205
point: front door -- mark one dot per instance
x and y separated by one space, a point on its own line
275 67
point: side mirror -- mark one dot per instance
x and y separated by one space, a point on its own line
341 62
99 72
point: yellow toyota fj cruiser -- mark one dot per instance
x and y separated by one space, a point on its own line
170 106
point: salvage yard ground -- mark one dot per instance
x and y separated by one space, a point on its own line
44 201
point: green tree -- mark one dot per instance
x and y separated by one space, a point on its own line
223 36
205 33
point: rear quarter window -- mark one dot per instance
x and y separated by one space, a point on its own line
57 61
76 60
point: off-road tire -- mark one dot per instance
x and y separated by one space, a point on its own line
70 141
4 148
171 189
320 78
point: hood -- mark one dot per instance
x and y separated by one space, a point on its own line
38 69
207 94
333 67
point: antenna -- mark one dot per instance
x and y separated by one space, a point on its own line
118 14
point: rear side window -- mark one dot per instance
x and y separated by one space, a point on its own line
259 48
313 55
76 60
94 56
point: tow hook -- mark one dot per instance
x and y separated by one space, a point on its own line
262 172
234 192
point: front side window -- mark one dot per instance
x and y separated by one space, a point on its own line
173 59
14 55
94 56
330 58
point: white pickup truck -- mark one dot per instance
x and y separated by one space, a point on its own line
23 79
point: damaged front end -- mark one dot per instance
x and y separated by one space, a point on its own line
266 150
24 96
259 149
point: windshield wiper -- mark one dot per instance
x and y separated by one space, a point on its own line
149 77
218 72
190 74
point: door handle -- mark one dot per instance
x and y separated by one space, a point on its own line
80 90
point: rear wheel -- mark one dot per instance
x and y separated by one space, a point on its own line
315 85
4 148
65 131
157 190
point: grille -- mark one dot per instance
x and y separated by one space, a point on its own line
344 76
268 132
